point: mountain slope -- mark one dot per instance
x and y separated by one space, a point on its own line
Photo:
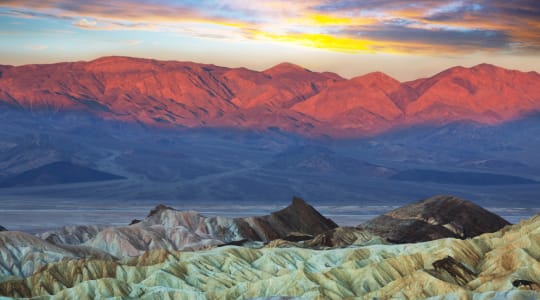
320 160
484 93
22 254
57 173
364 102
280 86
286 96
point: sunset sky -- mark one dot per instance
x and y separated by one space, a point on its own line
406 39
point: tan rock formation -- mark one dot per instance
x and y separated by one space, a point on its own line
483 267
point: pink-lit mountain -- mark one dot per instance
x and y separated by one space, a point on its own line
286 96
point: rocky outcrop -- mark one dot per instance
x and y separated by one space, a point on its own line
453 270
504 264
297 217
167 228
135 240
430 219
170 229
298 225
339 237
21 254
71 235
434 218
343 237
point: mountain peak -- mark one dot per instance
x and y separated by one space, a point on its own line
118 64
485 66
159 208
113 58
298 202
117 59
284 68
493 70
303 217
377 77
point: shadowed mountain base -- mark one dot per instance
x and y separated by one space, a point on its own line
57 173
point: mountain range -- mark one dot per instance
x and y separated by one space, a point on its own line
247 137
285 97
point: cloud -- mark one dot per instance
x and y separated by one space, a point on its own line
346 25
468 24
85 23
354 6
452 38
37 47
133 42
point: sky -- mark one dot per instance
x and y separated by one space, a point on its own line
405 39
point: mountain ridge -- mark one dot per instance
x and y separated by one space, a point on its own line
171 229
286 96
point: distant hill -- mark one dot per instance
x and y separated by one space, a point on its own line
434 218
57 173
286 96
321 160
